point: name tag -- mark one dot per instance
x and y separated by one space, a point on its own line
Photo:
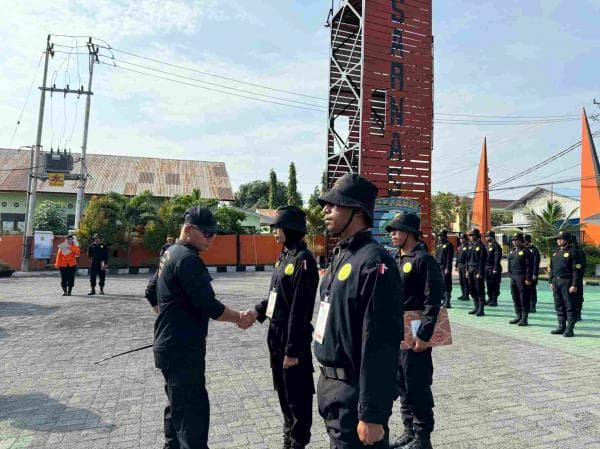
321 321
271 304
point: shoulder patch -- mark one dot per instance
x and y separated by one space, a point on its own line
521 253
407 267
565 255
289 269
578 266
344 272
477 248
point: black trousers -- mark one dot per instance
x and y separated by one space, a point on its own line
295 387
97 271
520 294
338 406
447 277
463 279
533 292
415 376
67 277
565 303
187 417
579 296
476 286
492 282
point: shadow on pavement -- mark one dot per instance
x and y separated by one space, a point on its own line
10 308
38 411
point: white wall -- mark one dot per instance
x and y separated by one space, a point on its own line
538 203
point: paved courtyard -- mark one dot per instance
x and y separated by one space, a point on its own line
498 386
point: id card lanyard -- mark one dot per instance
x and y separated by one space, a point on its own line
325 305
273 293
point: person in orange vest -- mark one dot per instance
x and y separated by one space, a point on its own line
66 262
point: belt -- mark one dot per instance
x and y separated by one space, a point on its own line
336 373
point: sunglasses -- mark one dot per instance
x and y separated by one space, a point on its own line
206 234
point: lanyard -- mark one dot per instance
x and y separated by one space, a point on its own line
335 265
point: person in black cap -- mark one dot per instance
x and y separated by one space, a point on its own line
476 272
444 255
536 258
520 268
566 273
580 255
186 301
423 291
98 254
462 256
359 326
170 241
422 242
493 268
290 309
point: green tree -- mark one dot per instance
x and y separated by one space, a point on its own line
229 220
315 225
313 200
255 195
293 197
500 217
272 189
103 216
546 224
443 211
49 216
324 187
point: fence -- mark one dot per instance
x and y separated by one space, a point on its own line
226 250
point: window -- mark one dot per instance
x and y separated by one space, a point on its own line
12 223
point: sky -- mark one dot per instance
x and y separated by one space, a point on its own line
510 58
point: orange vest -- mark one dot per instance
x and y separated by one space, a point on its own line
69 260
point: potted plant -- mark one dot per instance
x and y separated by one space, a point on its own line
5 270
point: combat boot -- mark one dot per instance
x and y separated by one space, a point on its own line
404 439
523 321
420 442
516 319
493 302
101 290
64 291
569 330
475 308
480 311
560 329
93 292
69 291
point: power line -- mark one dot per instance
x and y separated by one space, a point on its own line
523 186
507 116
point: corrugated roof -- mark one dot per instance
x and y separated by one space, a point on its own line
125 175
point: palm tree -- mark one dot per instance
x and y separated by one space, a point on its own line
545 225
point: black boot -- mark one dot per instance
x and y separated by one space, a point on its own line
405 438
101 290
93 292
64 291
475 308
569 330
493 302
516 319
420 442
560 329
523 321
69 291
480 311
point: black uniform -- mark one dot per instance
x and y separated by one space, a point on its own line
163 249
582 258
98 253
361 341
462 256
444 255
475 267
566 270
493 272
423 290
520 267
186 301
294 281
536 258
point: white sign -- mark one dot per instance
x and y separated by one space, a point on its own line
42 244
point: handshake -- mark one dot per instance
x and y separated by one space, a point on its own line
247 319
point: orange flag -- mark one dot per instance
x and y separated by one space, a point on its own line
482 217
590 186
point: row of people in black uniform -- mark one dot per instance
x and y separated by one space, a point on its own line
476 262
356 339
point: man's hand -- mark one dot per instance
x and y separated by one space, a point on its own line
288 362
573 289
404 345
155 309
103 266
369 433
447 271
495 272
478 276
420 345
527 282
245 321
551 287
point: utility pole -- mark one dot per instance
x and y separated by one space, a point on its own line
33 178
93 55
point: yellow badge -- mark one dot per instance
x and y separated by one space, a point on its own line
444 246
477 248
407 267
289 269
565 255
578 266
521 253
344 272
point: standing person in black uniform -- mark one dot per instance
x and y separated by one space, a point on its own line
423 243
170 241
566 273
290 309
423 290
186 302
536 258
493 268
444 255
98 254
580 254
520 267
476 272
462 256
359 327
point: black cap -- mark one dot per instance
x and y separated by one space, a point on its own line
96 236
564 235
70 236
202 218
352 190
517 236
527 237
292 218
463 236
405 221
490 234
475 232
443 233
